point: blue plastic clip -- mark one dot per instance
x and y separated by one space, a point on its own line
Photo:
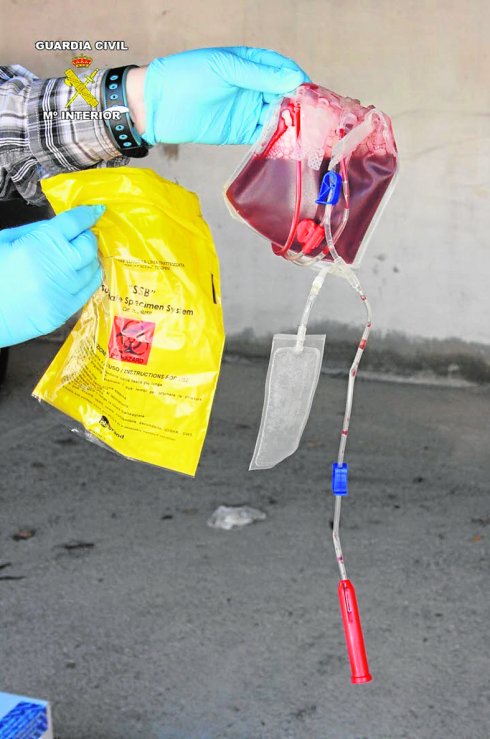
339 479
330 189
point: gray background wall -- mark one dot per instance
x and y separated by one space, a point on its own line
425 63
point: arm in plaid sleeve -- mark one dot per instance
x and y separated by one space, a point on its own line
34 145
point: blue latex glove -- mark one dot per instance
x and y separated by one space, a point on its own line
48 271
215 96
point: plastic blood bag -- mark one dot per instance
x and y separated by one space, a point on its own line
277 191
314 185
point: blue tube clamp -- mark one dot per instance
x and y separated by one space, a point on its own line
339 478
330 189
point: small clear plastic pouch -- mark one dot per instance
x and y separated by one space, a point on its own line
292 378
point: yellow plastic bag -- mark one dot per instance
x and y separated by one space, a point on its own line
140 368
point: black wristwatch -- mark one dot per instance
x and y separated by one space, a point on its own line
122 130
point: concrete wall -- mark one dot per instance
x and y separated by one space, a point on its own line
425 63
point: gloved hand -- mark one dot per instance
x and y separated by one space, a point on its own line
48 271
215 96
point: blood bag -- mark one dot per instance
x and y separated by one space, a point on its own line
314 186
279 190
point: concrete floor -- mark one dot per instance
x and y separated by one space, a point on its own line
156 626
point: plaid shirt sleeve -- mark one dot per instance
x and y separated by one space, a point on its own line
35 145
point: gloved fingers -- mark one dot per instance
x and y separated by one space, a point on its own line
86 292
255 135
73 222
265 113
260 77
271 98
84 276
268 56
8 235
82 250
250 134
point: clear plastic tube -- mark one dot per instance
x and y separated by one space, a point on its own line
306 261
316 286
356 285
314 290
284 250
349 275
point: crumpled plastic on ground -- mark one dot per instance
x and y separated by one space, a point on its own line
139 370
231 517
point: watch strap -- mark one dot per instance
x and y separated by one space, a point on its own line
122 130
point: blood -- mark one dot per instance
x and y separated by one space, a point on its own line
264 192
264 195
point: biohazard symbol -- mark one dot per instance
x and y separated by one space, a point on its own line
131 340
